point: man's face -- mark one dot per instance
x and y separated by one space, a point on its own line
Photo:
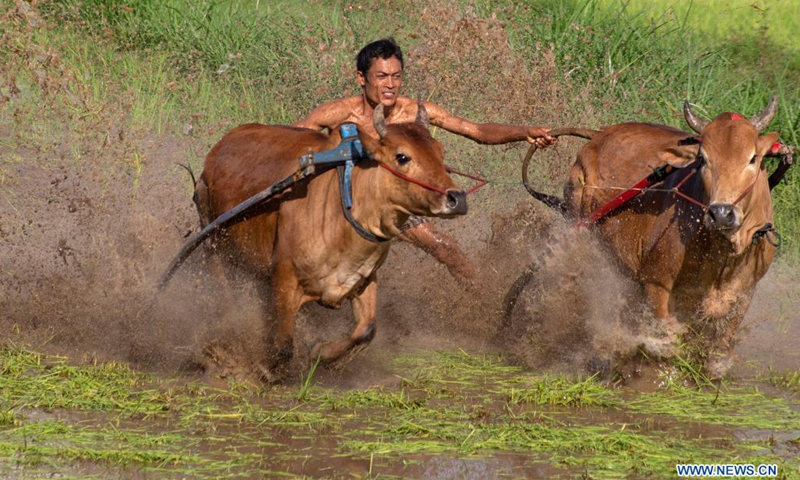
382 82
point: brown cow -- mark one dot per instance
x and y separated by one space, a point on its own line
698 257
302 243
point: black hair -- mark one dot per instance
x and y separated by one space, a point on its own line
384 48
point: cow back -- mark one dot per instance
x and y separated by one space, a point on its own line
247 160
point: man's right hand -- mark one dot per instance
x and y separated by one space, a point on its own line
539 137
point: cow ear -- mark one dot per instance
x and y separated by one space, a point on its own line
682 154
766 143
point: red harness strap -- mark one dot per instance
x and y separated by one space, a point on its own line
619 200
657 176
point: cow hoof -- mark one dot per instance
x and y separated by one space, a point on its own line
670 327
333 355
664 340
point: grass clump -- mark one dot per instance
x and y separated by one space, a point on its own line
373 398
38 442
738 407
8 417
559 390
32 381
787 379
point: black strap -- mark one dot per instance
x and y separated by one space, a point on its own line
344 184
763 232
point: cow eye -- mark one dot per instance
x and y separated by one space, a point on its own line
402 159
753 160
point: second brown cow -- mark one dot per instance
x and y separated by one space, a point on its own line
699 241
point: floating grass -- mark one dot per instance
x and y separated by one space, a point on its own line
734 406
490 408
31 381
36 442
559 390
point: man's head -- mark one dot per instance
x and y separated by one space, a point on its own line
380 71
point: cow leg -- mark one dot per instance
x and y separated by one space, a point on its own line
720 356
365 306
288 298
722 340
667 337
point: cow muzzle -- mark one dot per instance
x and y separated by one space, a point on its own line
455 203
722 217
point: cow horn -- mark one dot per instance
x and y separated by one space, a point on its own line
764 118
422 116
379 120
693 120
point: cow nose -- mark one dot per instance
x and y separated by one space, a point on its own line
721 216
457 202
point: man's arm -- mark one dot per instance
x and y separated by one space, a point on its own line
328 115
487 133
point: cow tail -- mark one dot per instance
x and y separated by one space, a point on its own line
202 200
550 200
188 169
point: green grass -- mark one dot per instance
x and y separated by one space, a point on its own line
560 390
788 380
451 404
28 383
732 407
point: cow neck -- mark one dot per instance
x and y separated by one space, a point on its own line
345 173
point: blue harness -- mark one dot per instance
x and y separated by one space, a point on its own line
344 156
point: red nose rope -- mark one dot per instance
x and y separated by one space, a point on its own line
481 181
677 191
646 182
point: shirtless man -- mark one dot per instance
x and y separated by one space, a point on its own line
380 74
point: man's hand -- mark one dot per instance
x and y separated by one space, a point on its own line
539 137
